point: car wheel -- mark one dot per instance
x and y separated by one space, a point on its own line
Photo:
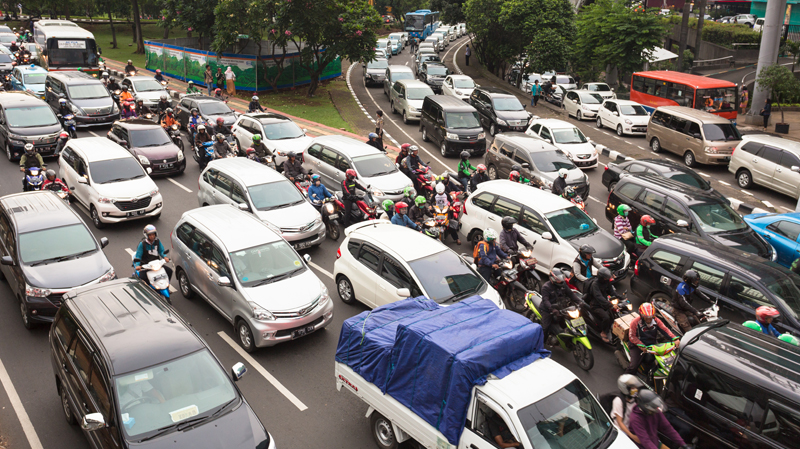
383 432
345 290
424 134
240 152
744 179
492 130
655 145
578 116
68 415
476 238
185 285
689 160
443 149
619 131
492 172
391 105
96 218
611 186
245 336
405 117
26 316
599 123
8 152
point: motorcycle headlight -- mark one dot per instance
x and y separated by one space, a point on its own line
105 200
260 313
507 265
37 292
377 192
526 253
180 156
368 75
154 192
110 274
453 136
615 301
628 122
574 314
502 122
329 208
143 160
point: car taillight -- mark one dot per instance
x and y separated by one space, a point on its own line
636 268
606 167
339 253
464 208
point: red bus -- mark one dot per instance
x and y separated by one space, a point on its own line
667 88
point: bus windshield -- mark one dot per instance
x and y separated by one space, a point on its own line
71 53
720 99
414 23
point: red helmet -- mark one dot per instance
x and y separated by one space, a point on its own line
250 150
647 220
63 135
646 310
350 173
220 121
514 176
764 312
481 168
217 91
405 146
400 206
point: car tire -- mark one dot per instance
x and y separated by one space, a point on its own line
443 149
382 431
8 152
619 131
491 171
689 159
68 415
424 134
655 145
599 123
578 116
25 315
184 285
96 218
744 178
476 238
345 290
405 117
245 336
391 106
492 129
239 146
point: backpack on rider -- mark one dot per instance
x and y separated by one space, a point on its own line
477 250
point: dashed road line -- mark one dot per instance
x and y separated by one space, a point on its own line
704 174
743 191
627 142
724 183
786 209
640 147
768 204
94 134
321 270
455 58
19 409
130 251
596 200
179 184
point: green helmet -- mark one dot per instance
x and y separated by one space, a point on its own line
420 201
408 192
752 325
387 204
256 138
623 209
789 338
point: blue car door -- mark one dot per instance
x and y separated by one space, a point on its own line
782 235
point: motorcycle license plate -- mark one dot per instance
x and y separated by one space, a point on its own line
333 216
530 262
159 277
136 213
302 245
577 322
301 332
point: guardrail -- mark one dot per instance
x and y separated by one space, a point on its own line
717 61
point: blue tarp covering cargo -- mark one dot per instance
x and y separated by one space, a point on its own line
428 357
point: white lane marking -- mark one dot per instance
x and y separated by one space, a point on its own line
94 134
178 184
768 204
406 62
786 209
627 142
261 370
640 147
745 192
455 58
604 165
19 409
595 199
724 183
704 174
130 251
617 137
321 270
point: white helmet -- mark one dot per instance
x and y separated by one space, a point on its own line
489 235
255 98
562 173
149 229
201 128
440 188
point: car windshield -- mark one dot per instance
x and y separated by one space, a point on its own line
266 263
159 398
374 165
395 37
446 278
568 418
571 222
426 58
591 99
49 245
35 78
507 104
153 137
377 64
87 91
418 93
568 136
283 130
7 38
551 161
383 43
4 58
214 108
147 86
115 170
438 70
464 83
721 131
691 180
599 88
31 117
462 120
717 217
274 195
632 109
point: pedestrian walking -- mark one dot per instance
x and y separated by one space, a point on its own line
230 81
744 99
467 54
208 77
379 128
220 78
536 90
766 111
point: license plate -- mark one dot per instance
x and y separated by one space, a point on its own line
136 213
159 277
301 332
578 322
531 261
302 245
165 165
333 216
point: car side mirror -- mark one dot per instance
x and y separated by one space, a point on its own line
526 165
549 140
795 169
401 95
525 106
7 260
683 224
474 267
612 89
403 293
616 113
238 371
244 207
224 281
92 422
103 242
149 170
83 180
547 236
307 258
123 143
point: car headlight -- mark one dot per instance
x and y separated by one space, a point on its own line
458 92
481 135
412 109
154 192
114 108
260 313
18 143
324 296
584 107
76 110
367 76
453 136
180 156
143 160
628 122
710 149
110 274
502 122
105 200
377 192
37 292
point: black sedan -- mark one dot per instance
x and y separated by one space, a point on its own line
658 167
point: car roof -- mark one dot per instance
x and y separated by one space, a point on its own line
201 98
413 83
754 357
139 78
453 104
234 228
515 389
70 77
526 142
545 201
98 148
552 122
11 99
400 68
247 171
790 216
137 124
459 77
29 69
624 102
32 211
494 91
131 324
351 147
739 261
408 244
667 164
689 194
693 113
267 117
779 142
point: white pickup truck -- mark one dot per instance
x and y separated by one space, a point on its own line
542 405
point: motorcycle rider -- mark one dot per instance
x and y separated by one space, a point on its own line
163 103
644 331
104 78
53 183
622 405
465 168
442 200
643 236
317 192
401 219
141 108
261 148
374 142
221 128
350 186
218 95
648 421
403 152
221 147
560 182
192 89
598 295
293 168
681 301
509 236
160 78
149 249
388 210
195 119
450 185
200 138
254 105
583 265
478 177
489 255
63 108
127 111
112 85
125 95
28 160
129 67
554 294
62 140
764 317
622 225
516 176
420 210
169 119
413 161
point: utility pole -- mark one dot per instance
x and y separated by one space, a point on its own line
768 54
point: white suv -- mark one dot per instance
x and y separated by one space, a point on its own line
108 181
379 263
278 132
555 226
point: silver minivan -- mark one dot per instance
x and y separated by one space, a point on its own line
768 161
395 73
250 275
406 98
266 193
697 136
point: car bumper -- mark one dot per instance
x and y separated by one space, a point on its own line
41 310
636 130
713 159
109 213
83 121
171 168
474 146
591 162
413 114
585 113
48 150
303 240
281 330
505 128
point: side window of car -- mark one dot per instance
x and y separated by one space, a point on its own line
65 329
660 118
535 128
342 163
710 277
678 124
745 293
397 88
329 157
506 208
81 357
507 150
185 103
653 200
675 211
184 233
788 229
99 390
636 168
369 256
217 261
531 220
611 106
521 157
315 151
68 155
666 260
782 424
237 194
79 165
484 200
629 190
123 135
223 184
789 160
6 233
751 147
771 154
694 130
353 246
721 394
545 134
210 176
393 272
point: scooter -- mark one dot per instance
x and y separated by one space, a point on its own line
331 215
157 277
655 374
426 182
206 148
303 182
578 201
269 161
510 288
430 229
34 178
441 218
573 338
62 141
175 135
526 264
365 207
69 125
624 307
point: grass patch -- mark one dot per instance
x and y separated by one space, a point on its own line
320 108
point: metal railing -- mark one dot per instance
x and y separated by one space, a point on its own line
717 61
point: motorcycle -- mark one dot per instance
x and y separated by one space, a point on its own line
364 208
666 313
331 215
429 228
656 373
269 161
441 217
509 287
303 182
157 277
426 182
175 135
68 122
34 178
526 264
573 338
578 201
624 307
208 150
62 140
115 97
63 194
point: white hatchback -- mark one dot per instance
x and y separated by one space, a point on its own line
460 86
379 263
278 132
567 138
602 89
582 104
623 116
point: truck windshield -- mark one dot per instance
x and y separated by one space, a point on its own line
568 418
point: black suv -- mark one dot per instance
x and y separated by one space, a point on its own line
499 110
89 99
209 108
658 167
46 251
679 208
733 387
130 371
451 124
26 119
433 74
738 280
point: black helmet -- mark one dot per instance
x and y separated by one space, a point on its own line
691 277
650 403
464 155
586 249
508 222
556 276
291 154
51 174
604 274
170 111
516 167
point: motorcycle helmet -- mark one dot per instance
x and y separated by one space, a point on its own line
789 338
752 325
220 121
563 172
250 151
29 148
314 178
291 154
647 311
604 274
51 174
516 167
464 155
373 136
130 62
256 139
191 83
194 111
254 98
149 229
481 168
219 137
623 210
63 135
401 207
514 176
139 101
440 188
217 91
413 149
387 204
408 192
105 75
557 276
508 222
629 385
62 102
405 146
586 250
203 128
647 220
124 88
650 403
163 97
159 71
762 313
691 277
445 177
169 111
420 201
489 235
350 173
569 192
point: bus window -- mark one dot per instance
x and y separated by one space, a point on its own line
649 86
638 83
677 93
721 99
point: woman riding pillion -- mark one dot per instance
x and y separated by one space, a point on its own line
623 228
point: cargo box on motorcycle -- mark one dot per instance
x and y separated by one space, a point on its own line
622 325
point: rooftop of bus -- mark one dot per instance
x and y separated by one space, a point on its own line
696 81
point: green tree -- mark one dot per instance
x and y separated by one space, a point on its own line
138 27
322 30
493 43
452 10
793 48
781 84
550 25
190 15
400 7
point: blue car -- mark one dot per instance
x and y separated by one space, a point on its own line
781 231
29 78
